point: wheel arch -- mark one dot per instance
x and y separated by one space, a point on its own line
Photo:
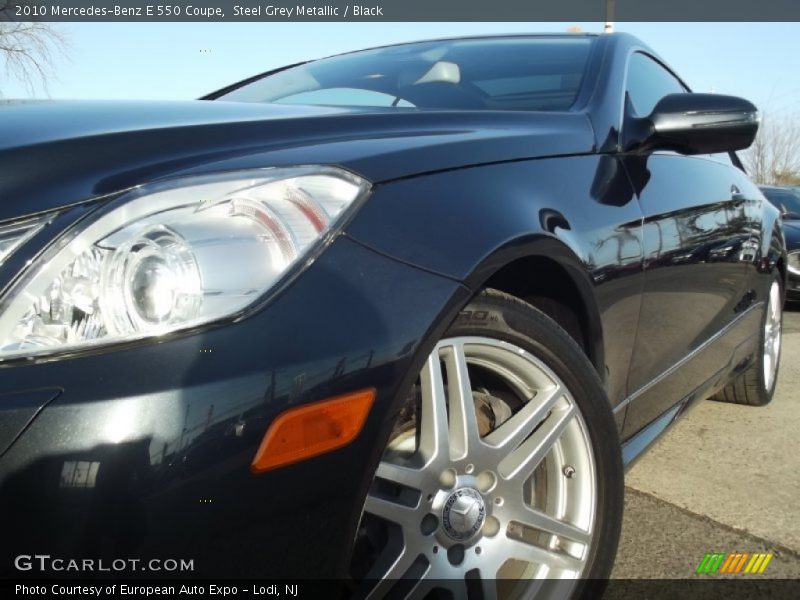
546 273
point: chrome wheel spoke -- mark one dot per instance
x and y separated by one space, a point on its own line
464 436
512 433
422 587
520 463
400 565
434 438
385 574
391 511
405 476
466 504
519 550
544 522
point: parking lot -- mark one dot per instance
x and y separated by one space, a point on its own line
723 479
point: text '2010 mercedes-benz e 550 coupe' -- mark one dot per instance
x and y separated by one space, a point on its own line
398 318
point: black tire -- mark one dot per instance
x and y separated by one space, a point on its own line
495 314
749 387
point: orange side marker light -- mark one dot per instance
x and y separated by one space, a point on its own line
313 429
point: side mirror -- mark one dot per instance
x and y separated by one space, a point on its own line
694 124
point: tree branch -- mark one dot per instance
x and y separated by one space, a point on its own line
28 52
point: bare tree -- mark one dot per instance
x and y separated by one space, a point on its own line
774 157
27 53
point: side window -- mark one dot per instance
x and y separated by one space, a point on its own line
648 82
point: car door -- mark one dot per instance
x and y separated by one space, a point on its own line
696 238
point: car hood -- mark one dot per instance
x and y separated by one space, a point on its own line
56 153
32 122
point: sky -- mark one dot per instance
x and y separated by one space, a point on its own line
175 61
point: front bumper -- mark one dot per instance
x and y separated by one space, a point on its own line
144 451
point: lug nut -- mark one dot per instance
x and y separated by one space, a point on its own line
569 471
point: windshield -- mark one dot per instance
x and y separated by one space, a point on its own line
786 200
525 73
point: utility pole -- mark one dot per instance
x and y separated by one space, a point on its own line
609 26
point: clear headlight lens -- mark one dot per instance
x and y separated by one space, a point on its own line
794 262
13 235
173 256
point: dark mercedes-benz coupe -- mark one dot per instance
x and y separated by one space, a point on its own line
787 200
398 318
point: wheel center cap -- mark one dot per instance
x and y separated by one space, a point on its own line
463 514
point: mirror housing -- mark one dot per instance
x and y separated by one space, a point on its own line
693 124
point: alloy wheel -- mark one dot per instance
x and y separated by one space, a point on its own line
489 484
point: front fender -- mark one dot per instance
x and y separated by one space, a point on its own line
578 211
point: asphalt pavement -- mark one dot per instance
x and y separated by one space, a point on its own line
723 479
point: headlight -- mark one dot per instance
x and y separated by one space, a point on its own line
172 256
794 262
13 235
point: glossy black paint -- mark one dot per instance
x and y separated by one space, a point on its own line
18 411
791 230
694 124
663 260
593 250
690 206
167 439
79 151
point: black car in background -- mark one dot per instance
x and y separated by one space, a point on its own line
787 200
399 314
